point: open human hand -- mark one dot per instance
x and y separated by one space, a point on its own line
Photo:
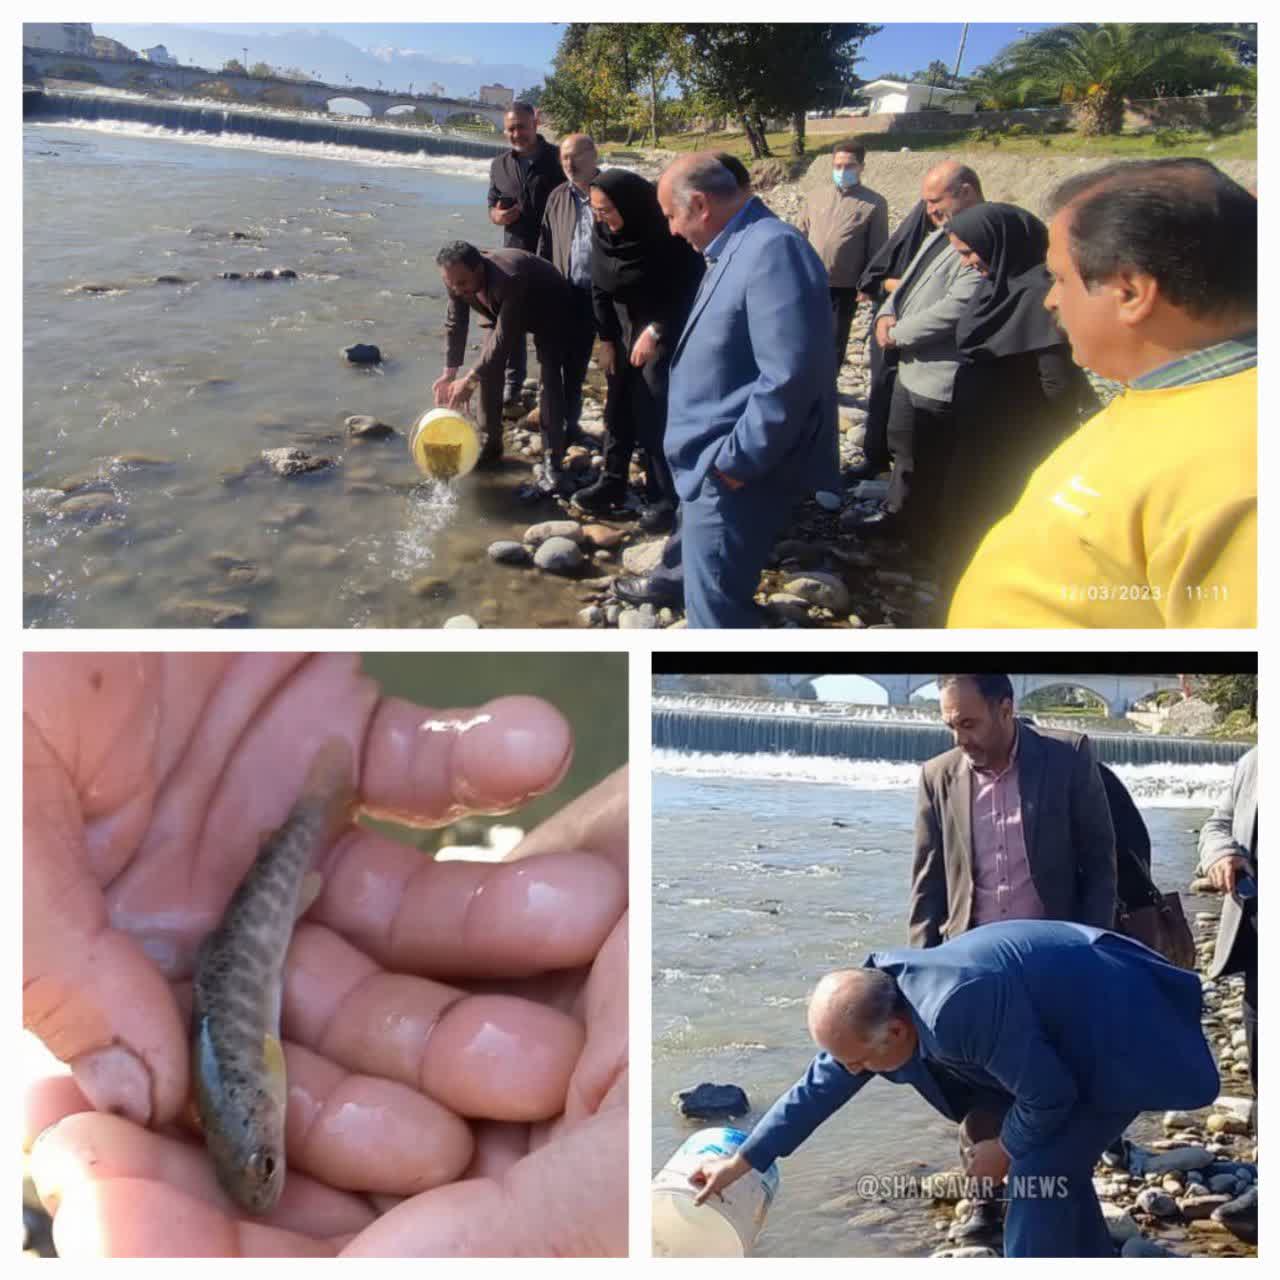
444 1023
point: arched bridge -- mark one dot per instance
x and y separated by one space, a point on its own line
1118 692
227 86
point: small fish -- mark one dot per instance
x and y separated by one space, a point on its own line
238 1063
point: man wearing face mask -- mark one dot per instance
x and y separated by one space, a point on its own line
846 223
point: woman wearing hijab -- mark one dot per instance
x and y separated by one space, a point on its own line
878 280
643 282
1018 393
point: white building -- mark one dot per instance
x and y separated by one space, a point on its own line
435 90
59 37
160 56
894 97
497 95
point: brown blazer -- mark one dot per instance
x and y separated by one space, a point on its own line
1066 824
525 294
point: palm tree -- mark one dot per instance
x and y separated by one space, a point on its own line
1099 66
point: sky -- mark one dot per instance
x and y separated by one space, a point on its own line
845 688
903 47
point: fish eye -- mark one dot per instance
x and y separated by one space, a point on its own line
262 1164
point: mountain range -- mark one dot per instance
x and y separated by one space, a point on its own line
326 57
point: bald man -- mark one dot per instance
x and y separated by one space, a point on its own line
917 325
751 414
565 240
1043 1039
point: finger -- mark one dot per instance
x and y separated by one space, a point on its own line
469 919
568 1199
432 767
48 1100
489 1056
498 1146
89 992
132 1218
362 1133
600 1076
595 821
91 1148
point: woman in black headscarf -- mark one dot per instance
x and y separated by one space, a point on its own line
878 280
643 282
1018 393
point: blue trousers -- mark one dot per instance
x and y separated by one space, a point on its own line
721 542
1053 1209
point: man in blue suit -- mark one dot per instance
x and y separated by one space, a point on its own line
751 418
1068 1030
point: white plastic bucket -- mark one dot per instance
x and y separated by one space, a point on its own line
445 444
722 1227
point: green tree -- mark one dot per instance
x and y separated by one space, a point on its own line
233 66
261 70
533 95
1228 693
774 69
1100 66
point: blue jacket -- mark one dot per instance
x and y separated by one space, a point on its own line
752 389
1054 1015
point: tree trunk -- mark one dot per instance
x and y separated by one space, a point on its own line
653 108
1100 114
753 138
763 134
797 134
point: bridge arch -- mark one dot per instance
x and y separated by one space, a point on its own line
1118 692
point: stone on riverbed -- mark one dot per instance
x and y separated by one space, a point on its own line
1159 1204
1195 1207
559 555
295 462
91 508
643 558
967 1251
536 534
508 552
1120 1222
820 588
362 353
1141 1247
712 1102
204 613
361 426
645 618
1182 1159
461 622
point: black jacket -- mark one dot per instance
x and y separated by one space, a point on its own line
530 192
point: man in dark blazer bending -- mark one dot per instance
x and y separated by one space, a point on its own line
1068 1032
516 293
1011 824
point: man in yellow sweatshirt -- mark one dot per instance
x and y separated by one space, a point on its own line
1147 515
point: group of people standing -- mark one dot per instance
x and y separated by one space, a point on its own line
722 329
1018 900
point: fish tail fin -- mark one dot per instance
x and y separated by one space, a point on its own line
330 782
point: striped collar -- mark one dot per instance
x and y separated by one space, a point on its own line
1221 360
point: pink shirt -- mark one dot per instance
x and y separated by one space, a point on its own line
1002 884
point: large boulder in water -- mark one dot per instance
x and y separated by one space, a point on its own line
295 462
362 353
712 1102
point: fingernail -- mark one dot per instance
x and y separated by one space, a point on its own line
115 1080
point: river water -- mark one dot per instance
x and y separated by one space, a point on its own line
769 871
204 375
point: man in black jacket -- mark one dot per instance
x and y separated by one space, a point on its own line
520 180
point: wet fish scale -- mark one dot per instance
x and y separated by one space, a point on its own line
238 1063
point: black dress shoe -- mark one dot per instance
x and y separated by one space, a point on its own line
601 495
647 591
657 518
984 1224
